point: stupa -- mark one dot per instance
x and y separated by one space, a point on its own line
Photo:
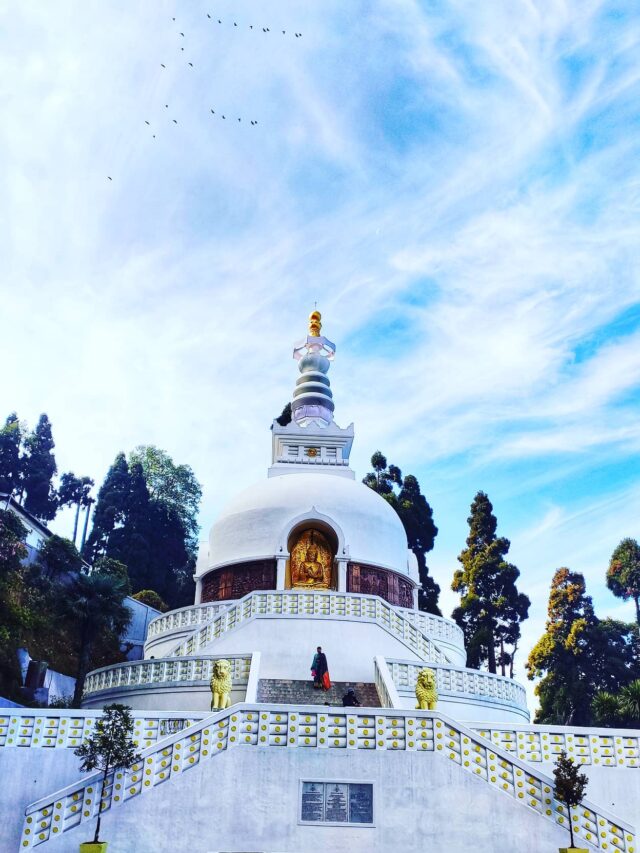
307 557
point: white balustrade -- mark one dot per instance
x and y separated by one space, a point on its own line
51 728
369 608
310 727
185 617
542 744
164 671
457 680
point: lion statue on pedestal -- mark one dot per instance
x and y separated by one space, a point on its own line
426 690
220 685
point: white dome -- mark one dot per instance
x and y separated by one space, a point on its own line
256 524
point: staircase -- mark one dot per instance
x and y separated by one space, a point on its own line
278 690
317 730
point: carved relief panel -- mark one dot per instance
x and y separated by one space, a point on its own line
372 581
236 581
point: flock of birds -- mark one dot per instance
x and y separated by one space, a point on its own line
222 116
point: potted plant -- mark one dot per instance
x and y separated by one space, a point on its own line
110 747
569 789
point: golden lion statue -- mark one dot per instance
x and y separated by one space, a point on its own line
220 685
426 690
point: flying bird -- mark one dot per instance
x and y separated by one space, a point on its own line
191 64
146 122
234 24
174 121
213 111
182 34
162 66
110 178
208 15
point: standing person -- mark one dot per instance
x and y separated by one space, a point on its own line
320 669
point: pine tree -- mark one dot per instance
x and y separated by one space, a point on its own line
416 516
491 608
10 459
623 575
110 508
563 657
39 470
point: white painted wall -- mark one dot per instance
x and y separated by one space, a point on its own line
172 696
247 800
288 646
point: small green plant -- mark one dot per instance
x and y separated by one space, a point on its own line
109 748
570 785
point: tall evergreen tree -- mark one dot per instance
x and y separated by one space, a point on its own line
173 485
491 608
416 515
623 575
562 656
111 505
10 459
39 470
144 531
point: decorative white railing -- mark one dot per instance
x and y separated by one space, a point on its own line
336 605
309 727
434 626
163 671
456 680
52 728
185 617
541 744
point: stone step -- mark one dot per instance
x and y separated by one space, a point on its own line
304 693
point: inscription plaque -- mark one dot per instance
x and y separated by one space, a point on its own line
360 803
312 801
336 803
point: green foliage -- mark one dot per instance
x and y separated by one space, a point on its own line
114 569
58 557
13 618
74 491
109 747
10 456
141 524
39 467
173 486
491 608
95 604
579 655
623 574
151 598
570 785
620 710
416 515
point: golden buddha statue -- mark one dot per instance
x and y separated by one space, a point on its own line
311 561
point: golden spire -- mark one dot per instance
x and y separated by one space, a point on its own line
314 324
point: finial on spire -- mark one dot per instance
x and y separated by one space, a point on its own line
312 402
314 324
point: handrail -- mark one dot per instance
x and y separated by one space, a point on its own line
309 727
542 744
459 680
435 627
162 671
285 603
387 692
184 617
52 728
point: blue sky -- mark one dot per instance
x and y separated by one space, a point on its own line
457 185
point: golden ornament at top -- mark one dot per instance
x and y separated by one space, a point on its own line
314 324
